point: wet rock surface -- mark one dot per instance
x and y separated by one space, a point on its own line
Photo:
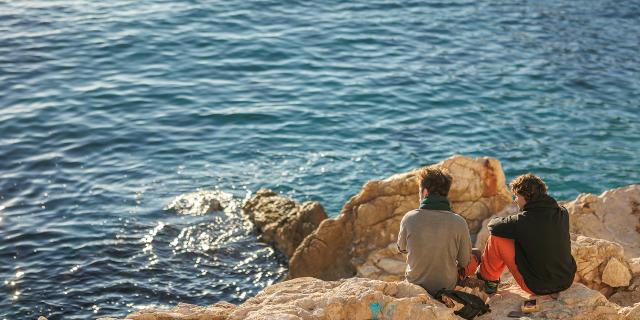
200 202
283 222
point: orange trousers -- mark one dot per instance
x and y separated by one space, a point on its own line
498 254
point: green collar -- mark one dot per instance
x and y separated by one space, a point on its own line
435 202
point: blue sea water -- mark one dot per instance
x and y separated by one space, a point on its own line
110 109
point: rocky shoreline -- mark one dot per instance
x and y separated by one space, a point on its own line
347 267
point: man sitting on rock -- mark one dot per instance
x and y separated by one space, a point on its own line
436 240
533 244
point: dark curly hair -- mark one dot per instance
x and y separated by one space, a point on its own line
528 186
437 181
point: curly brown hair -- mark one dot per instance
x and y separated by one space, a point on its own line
528 186
436 180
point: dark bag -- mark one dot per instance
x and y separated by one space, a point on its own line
473 305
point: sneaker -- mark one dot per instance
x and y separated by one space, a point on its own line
490 287
472 282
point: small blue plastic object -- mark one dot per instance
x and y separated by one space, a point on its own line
375 310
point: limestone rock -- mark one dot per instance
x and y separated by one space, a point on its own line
353 298
577 303
634 265
184 311
370 220
384 264
614 216
283 222
592 257
616 274
631 312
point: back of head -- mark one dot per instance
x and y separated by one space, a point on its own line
529 186
437 181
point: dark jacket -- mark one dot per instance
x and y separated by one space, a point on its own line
543 247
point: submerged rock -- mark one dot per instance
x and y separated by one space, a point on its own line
370 220
200 202
283 222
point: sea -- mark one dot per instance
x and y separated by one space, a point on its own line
109 110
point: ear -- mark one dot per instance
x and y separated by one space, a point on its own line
425 193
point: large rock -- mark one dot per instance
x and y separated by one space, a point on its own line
576 303
354 298
370 220
358 298
600 263
184 311
614 216
283 222
383 264
616 274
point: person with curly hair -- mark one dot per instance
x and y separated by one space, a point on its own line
533 244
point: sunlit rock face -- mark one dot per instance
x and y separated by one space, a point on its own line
358 298
576 303
283 222
370 220
383 264
184 311
614 215
354 298
310 298
600 264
